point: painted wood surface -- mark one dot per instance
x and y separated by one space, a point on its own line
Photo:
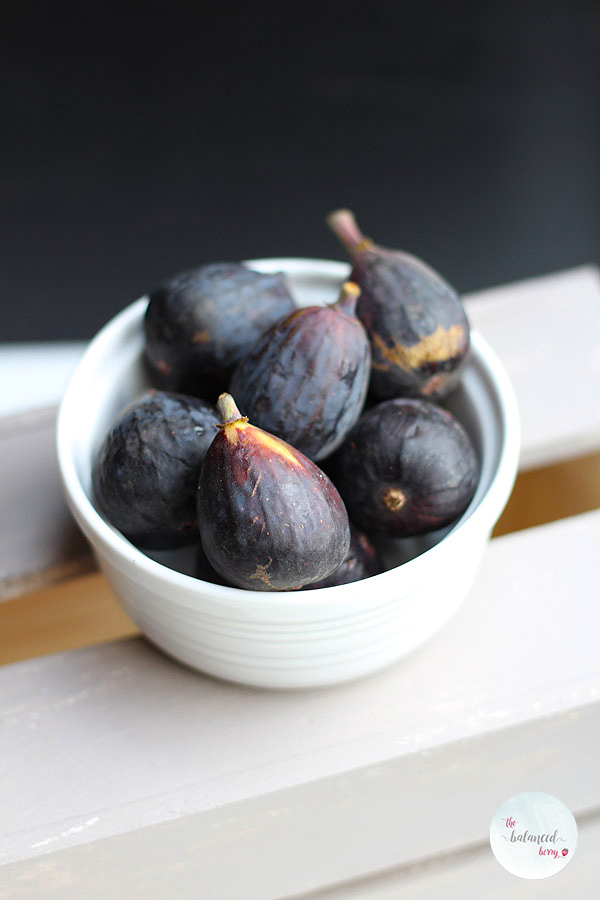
546 331
119 765
474 872
39 541
122 772
34 376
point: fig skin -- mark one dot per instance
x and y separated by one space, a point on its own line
199 323
306 378
204 571
417 325
361 561
408 467
146 471
269 518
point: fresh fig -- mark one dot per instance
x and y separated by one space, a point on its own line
361 561
204 570
306 378
146 472
416 322
199 323
269 518
408 467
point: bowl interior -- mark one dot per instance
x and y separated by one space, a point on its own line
112 373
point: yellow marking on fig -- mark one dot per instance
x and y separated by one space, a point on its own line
231 429
350 288
394 499
235 423
435 383
201 337
231 416
346 301
261 573
440 345
270 442
256 484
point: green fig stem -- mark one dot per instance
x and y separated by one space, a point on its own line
345 227
349 294
228 410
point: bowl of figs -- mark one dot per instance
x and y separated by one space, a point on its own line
289 469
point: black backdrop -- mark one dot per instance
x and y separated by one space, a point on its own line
140 141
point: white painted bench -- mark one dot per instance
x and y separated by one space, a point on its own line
124 774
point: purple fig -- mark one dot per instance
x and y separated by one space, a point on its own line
146 471
269 518
199 323
416 323
306 378
361 561
408 467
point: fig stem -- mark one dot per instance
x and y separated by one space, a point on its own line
228 410
349 294
345 227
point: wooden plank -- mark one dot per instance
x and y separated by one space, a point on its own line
77 613
546 331
474 872
117 747
552 492
34 376
339 828
39 541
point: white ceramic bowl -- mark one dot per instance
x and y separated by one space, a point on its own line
300 638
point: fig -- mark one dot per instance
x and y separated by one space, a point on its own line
306 378
408 467
204 570
417 325
361 561
145 474
199 323
269 518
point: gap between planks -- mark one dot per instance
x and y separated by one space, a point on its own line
77 613
83 611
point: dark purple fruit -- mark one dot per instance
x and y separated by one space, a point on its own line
361 561
269 518
306 378
199 323
204 570
418 328
146 472
407 467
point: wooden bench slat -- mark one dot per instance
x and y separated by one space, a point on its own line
39 541
114 742
475 872
546 331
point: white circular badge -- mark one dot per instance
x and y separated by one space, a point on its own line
533 835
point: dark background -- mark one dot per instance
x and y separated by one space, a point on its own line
140 141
